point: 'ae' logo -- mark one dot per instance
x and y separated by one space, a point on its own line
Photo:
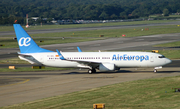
24 41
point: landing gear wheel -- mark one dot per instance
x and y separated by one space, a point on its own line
90 71
155 70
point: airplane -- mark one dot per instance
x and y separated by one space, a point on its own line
103 61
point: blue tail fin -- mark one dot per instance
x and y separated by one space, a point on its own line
25 42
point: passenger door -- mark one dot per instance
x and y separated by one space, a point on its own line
152 58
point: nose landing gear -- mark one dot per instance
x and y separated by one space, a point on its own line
155 69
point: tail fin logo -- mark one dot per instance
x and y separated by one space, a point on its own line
24 41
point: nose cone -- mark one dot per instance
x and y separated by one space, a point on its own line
168 61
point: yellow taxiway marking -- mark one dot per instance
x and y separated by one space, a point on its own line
23 81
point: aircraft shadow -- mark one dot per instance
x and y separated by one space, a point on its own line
122 71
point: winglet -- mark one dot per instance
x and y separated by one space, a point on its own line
79 49
60 55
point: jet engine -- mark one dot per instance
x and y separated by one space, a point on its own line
106 67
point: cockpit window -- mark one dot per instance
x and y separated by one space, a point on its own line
162 56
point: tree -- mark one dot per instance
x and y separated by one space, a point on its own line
178 11
166 12
85 9
114 16
103 16
155 10
123 15
136 12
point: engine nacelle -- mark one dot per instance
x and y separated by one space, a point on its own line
106 67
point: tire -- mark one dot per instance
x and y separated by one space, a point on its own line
155 70
90 71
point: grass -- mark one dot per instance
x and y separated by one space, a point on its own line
140 94
172 44
154 16
13 61
38 27
17 61
174 16
171 54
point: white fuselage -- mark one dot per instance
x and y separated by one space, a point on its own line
119 59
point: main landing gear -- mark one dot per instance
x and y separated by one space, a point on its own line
90 71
